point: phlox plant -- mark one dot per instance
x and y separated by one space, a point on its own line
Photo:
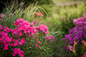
25 40
75 41
20 38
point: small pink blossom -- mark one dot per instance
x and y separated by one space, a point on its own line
20 43
42 28
39 42
43 43
13 54
5 48
37 45
15 44
17 51
11 44
2 16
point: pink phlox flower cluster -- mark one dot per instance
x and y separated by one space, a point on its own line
17 51
18 21
11 44
4 39
39 42
22 41
15 42
1 27
50 38
6 29
14 32
24 26
18 42
2 16
13 37
42 28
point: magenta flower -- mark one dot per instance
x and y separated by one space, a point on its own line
84 14
17 51
11 44
39 42
16 43
74 21
20 43
42 28
37 45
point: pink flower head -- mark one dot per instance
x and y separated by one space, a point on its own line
2 16
6 29
74 21
32 24
18 21
13 54
11 44
43 43
6 46
39 42
84 14
24 27
17 51
7 39
22 41
20 34
37 45
16 43
42 28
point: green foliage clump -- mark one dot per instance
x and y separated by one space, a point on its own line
45 4
40 2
